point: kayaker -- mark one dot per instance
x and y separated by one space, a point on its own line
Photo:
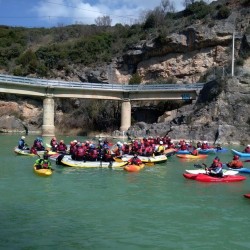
62 147
160 149
53 144
135 160
43 162
235 163
195 151
33 150
21 144
247 149
215 169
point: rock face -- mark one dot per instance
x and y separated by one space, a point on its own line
220 115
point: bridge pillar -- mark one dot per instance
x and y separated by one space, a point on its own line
48 127
125 115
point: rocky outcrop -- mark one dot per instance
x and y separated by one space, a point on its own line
220 115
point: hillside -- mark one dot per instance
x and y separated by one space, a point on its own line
194 45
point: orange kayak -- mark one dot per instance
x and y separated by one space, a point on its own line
133 168
186 156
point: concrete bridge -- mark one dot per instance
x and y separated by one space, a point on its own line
50 89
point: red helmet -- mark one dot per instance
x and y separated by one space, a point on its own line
236 157
215 161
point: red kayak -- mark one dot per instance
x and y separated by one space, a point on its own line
208 178
246 196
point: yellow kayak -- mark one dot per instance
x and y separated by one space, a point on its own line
24 152
42 171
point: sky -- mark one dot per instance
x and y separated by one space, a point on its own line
53 13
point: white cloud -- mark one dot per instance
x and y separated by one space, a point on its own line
86 11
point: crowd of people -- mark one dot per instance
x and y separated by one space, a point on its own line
104 151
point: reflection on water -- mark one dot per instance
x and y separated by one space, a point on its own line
156 208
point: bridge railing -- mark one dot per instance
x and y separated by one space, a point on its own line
96 86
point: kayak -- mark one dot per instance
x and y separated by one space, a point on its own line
208 178
41 153
25 152
207 151
180 152
203 171
133 168
222 150
42 171
192 156
67 160
145 159
241 170
240 154
246 196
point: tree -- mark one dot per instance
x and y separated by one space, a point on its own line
167 6
185 3
103 21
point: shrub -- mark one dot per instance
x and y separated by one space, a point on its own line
198 10
135 79
223 12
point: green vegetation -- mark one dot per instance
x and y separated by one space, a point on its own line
135 79
198 10
223 12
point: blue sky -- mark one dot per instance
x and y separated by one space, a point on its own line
50 13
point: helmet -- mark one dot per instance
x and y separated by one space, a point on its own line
23 137
248 145
215 161
161 142
236 157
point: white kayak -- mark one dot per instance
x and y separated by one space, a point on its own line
203 171
67 160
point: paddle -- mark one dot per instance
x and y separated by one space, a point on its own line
246 161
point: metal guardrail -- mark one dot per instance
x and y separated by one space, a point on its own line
96 86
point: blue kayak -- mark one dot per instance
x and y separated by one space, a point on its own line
222 150
182 152
240 154
207 151
240 170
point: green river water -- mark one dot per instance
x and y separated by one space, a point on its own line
156 208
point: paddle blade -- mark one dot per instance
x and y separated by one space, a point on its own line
247 161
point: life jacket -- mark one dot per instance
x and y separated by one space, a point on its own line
235 164
45 164
160 149
80 151
61 147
